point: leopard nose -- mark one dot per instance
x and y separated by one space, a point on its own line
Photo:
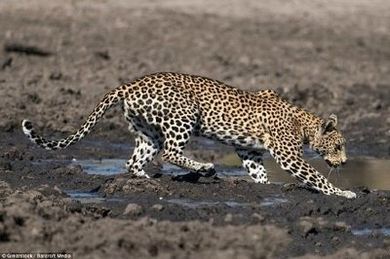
344 162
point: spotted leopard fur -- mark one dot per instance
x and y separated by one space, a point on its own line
164 109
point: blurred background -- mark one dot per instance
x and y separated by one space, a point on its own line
58 58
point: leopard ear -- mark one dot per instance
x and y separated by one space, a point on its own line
330 124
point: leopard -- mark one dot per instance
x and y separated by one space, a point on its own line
163 110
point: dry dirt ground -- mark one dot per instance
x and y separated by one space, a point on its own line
58 58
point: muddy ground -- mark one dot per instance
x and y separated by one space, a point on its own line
58 58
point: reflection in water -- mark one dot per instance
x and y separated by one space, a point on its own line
103 166
271 201
192 204
89 197
85 197
373 173
371 231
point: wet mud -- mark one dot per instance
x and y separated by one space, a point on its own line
286 218
59 58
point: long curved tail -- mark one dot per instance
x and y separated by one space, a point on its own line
109 100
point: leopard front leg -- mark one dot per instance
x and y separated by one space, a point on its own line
173 153
305 173
288 156
252 161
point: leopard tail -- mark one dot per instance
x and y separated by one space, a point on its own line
109 100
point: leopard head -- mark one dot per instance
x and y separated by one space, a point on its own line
329 142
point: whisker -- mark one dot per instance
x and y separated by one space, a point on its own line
338 170
330 172
314 157
339 178
336 178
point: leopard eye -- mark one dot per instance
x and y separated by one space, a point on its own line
338 147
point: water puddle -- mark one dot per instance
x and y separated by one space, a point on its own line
103 166
359 171
192 204
85 197
89 197
373 173
222 171
172 169
104 145
272 201
371 231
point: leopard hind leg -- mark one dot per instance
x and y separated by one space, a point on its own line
147 146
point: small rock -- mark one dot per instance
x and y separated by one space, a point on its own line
46 204
289 187
55 75
6 63
307 228
228 217
133 209
126 188
349 101
34 195
34 98
158 207
258 217
244 60
103 54
5 189
341 226
377 105
335 239
57 189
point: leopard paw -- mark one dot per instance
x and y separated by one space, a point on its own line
208 170
347 194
